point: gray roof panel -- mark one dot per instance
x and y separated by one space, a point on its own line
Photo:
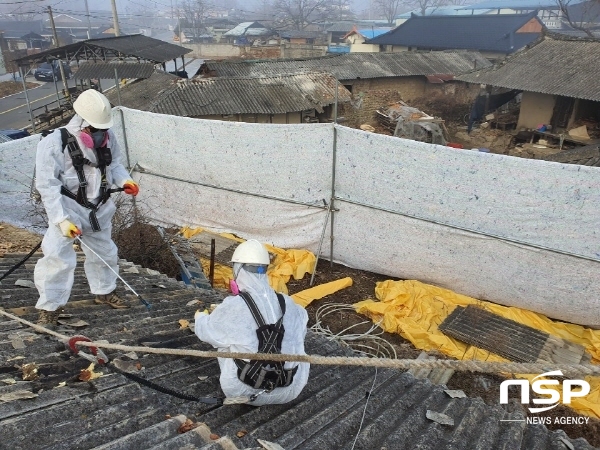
556 65
115 412
105 71
357 65
276 94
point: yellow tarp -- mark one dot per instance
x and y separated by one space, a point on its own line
287 263
415 310
305 297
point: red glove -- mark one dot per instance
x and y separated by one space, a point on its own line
131 188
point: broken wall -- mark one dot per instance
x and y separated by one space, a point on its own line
536 109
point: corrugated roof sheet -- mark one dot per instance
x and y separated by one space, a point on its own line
113 412
105 71
276 94
141 94
136 46
556 65
248 29
357 65
492 33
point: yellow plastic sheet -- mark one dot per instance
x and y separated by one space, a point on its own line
286 264
415 310
306 297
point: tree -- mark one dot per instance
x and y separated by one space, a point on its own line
193 14
389 8
580 16
428 6
298 14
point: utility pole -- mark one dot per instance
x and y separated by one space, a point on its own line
115 18
87 13
60 64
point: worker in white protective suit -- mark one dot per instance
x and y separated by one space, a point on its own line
75 170
232 327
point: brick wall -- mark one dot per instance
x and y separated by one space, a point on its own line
271 51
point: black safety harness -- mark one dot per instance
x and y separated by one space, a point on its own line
265 375
104 157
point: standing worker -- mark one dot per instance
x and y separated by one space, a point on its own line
256 319
75 169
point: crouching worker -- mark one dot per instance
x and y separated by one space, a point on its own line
75 168
256 319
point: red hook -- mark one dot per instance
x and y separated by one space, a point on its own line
100 357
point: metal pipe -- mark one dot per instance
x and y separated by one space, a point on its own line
333 168
312 277
27 99
269 197
211 269
468 230
146 304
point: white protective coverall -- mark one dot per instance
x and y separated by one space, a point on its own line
54 273
231 328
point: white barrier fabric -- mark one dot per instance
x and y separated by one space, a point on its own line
538 203
291 162
17 162
535 202
550 283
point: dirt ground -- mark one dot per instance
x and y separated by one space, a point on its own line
481 385
12 87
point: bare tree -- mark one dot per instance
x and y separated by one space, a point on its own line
341 10
194 14
298 14
580 16
389 8
428 6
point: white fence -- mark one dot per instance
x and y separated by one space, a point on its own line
514 231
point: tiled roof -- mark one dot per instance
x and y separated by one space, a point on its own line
106 71
356 65
113 412
588 155
491 33
141 94
518 4
248 29
275 94
535 69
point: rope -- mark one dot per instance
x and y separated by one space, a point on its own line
401 364
20 263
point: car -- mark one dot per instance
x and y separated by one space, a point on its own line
12 134
51 71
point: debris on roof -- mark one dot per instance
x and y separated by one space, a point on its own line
113 412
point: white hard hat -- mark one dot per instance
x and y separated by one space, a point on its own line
251 252
94 108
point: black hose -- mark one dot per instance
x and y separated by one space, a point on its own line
20 263
165 390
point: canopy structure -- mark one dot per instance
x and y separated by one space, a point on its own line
106 70
137 46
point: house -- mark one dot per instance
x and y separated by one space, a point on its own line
15 30
374 79
495 36
356 38
303 37
287 98
559 78
246 33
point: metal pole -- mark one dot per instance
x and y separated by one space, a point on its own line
57 94
312 277
115 18
211 270
333 163
60 65
118 88
87 14
27 99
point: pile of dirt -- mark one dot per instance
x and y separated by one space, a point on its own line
17 240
